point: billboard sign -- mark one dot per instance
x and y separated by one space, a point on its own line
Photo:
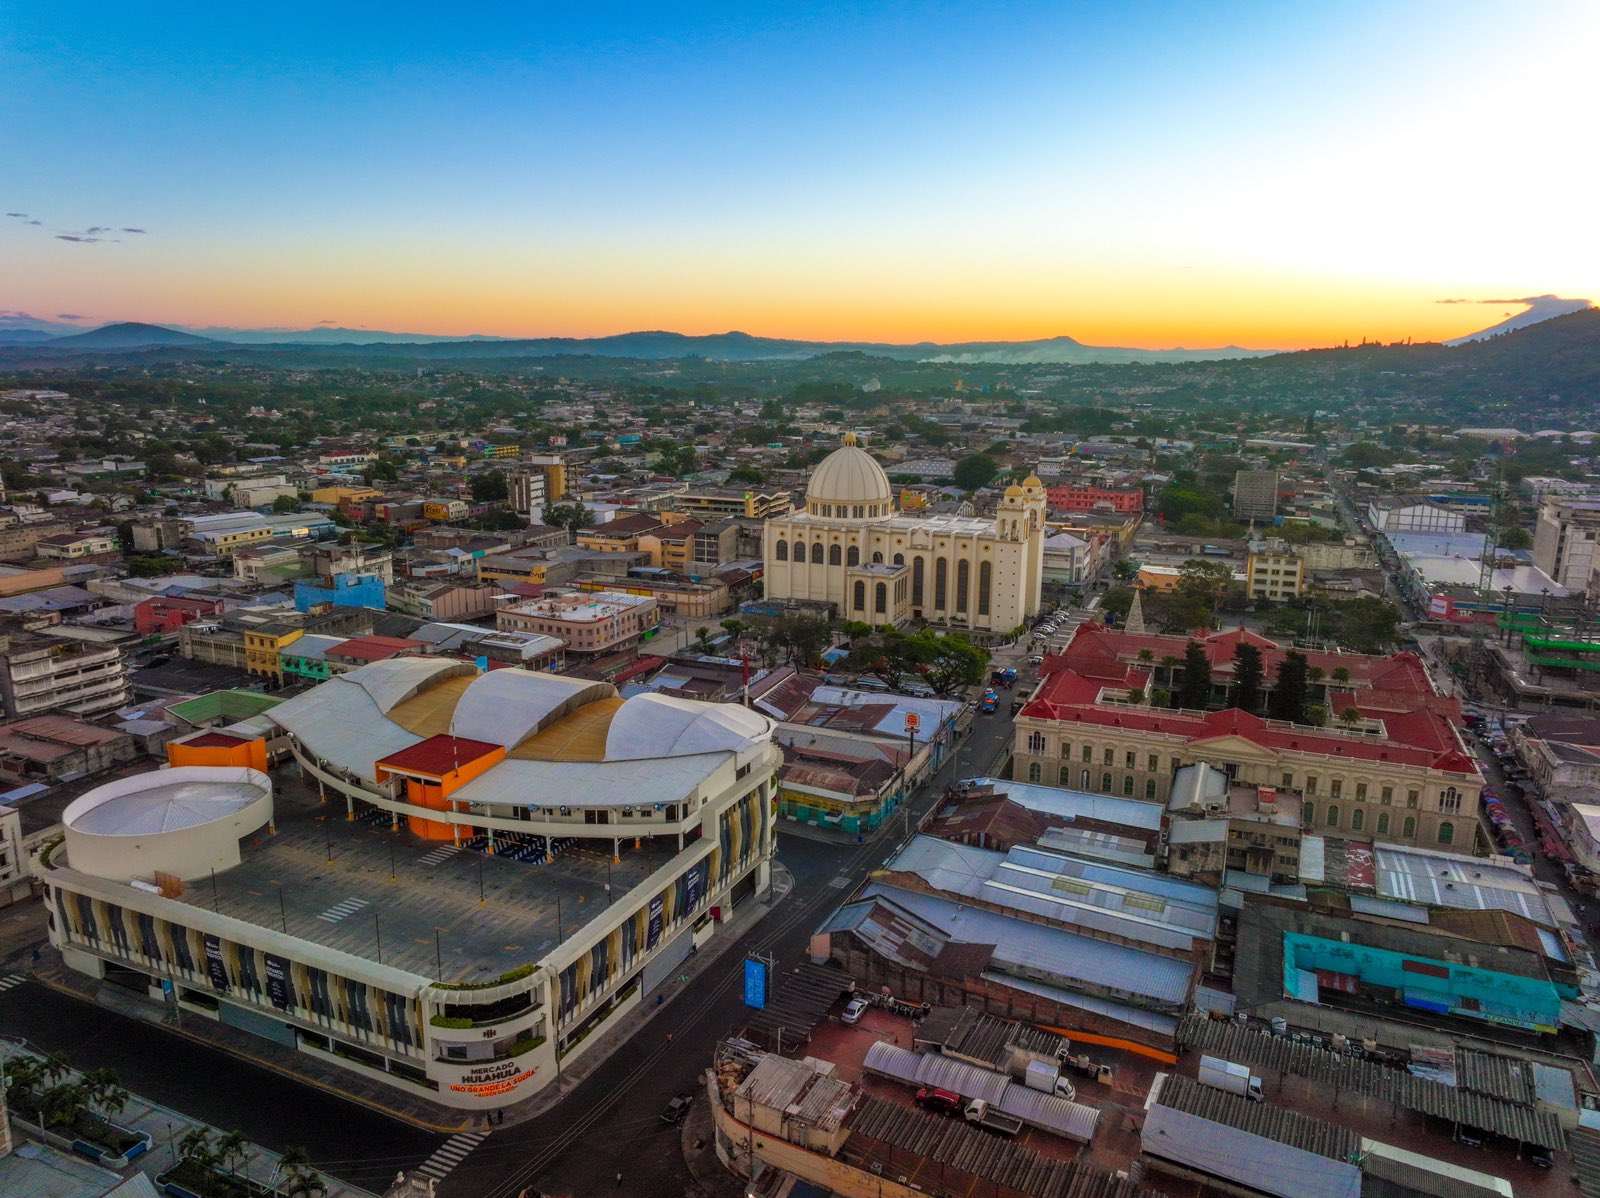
755 983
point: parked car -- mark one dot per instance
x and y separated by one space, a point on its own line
1036 660
678 1108
946 1102
854 1010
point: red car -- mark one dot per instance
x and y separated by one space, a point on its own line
946 1102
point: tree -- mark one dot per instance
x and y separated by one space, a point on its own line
747 474
570 516
286 503
488 487
1289 693
105 1096
1195 690
1136 695
1116 602
1514 538
197 1146
1340 675
232 1149
1350 717
1146 656
499 520
1248 677
975 471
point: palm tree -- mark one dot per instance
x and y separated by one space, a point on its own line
1350 717
1147 655
1341 675
106 1097
60 1105
232 1151
300 1180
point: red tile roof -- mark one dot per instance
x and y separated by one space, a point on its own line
374 648
438 755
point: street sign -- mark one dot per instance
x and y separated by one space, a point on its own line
913 721
755 983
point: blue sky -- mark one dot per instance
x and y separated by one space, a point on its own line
1143 173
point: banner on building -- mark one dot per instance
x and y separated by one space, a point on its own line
653 936
278 989
215 969
692 887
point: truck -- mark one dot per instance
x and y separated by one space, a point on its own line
1232 1077
985 1114
1042 1076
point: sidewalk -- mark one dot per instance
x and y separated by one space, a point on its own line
414 1109
167 1127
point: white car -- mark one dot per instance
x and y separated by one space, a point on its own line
1036 660
854 1010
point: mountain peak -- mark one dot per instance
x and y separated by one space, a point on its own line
130 334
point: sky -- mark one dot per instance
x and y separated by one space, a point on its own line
1143 174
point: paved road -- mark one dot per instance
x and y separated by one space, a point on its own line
609 1122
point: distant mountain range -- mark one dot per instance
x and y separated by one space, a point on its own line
38 340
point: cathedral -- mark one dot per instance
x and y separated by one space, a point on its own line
852 549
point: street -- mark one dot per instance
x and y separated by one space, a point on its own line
608 1123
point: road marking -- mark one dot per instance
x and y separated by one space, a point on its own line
341 910
840 882
439 854
451 1153
15 979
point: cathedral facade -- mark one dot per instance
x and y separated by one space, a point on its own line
852 549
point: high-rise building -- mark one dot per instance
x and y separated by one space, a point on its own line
1564 540
528 492
1255 494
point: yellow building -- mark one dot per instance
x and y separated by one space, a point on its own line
343 494
262 645
1274 575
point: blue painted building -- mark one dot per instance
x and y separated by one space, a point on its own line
345 590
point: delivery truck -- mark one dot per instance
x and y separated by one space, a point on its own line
985 1114
1234 1078
1042 1076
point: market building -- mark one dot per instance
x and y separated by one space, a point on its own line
467 876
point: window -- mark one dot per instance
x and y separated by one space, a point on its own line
941 572
1308 814
780 550
1155 763
1336 787
1408 830
1383 823
1036 743
1109 757
856 511
963 580
1127 784
1105 782
880 600
816 554
877 559
899 559
1311 784
1150 788
1447 833
1083 780
1358 820
1288 782
1332 819
1412 797
835 555
1088 754
1064 776
1450 800
1066 751
1386 795
852 556
860 596
916 580
1361 790
1034 772
800 552
1129 759
985 585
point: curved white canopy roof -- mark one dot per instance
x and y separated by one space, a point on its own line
166 802
505 707
392 682
663 726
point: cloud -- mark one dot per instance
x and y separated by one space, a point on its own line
36 222
78 237
1527 299
98 229
69 316
18 215
133 230
327 322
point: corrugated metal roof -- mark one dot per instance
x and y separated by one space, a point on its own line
1079 804
1163 1025
1264 1051
1445 880
1264 1119
1051 1112
1489 1073
1042 952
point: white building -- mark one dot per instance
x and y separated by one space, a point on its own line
850 548
1564 540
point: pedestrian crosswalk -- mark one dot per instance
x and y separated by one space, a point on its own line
438 856
340 910
15 979
451 1153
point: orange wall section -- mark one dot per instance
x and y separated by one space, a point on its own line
251 754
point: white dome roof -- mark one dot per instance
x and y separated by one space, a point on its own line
849 475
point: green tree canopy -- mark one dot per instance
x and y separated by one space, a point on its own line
1248 677
975 471
1289 694
570 516
1195 689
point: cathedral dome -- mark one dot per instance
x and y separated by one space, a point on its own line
849 477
